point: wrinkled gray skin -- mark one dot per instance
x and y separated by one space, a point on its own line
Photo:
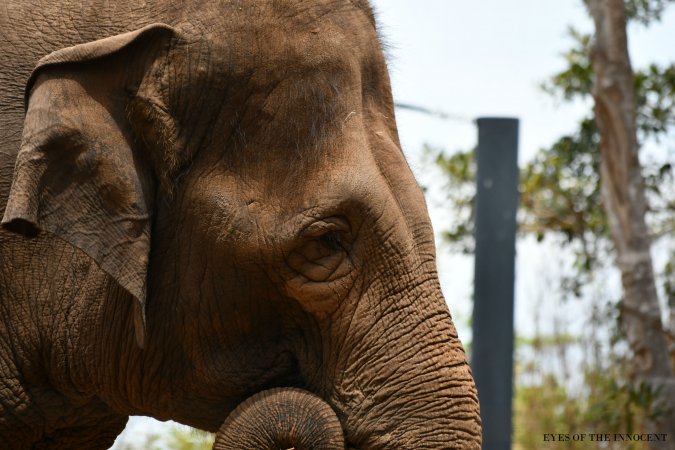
204 209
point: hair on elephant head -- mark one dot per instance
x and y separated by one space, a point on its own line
225 183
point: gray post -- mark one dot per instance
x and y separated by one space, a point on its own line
495 233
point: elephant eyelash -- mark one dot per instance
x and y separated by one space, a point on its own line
332 240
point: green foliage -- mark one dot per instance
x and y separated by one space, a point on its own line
576 81
560 190
185 438
558 393
669 279
654 86
560 186
149 442
655 91
460 170
538 407
645 11
560 195
607 404
179 437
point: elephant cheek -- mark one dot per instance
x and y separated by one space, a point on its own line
320 298
314 298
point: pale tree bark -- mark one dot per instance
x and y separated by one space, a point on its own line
624 199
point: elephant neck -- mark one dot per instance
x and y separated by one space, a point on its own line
128 378
58 355
95 332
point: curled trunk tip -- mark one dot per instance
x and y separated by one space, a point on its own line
281 419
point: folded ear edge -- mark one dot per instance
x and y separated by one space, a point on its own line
90 51
21 226
22 214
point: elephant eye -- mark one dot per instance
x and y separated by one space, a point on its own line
330 232
320 265
332 240
322 254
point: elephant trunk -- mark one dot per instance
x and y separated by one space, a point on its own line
406 383
280 419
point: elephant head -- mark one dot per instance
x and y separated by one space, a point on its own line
239 174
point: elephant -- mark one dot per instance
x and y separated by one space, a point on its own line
204 201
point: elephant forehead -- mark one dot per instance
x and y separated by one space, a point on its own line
278 159
268 43
276 77
300 116
289 30
293 77
263 189
266 92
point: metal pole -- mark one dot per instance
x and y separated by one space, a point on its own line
495 232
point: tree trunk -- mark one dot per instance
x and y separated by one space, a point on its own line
624 199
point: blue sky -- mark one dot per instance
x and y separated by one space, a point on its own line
484 58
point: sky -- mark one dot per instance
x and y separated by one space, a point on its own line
484 59
477 59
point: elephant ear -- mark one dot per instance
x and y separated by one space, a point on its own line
81 172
